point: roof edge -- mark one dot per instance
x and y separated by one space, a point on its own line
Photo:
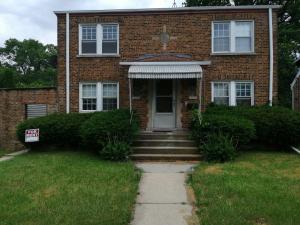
179 9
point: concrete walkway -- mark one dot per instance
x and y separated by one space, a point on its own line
10 156
163 197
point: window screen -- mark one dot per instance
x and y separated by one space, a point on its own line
110 39
243 94
89 39
89 97
222 37
110 96
221 93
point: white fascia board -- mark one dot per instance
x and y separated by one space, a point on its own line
202 8
201 63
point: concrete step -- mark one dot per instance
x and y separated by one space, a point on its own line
165 150
164 143
164 136
166 157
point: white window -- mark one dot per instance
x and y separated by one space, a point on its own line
233 93
221 93
233 37
99 39
98 96
110 96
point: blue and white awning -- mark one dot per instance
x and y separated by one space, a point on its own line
165 71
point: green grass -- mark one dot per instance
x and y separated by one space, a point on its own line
259 189
66 188
2 152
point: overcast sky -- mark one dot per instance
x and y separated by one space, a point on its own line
23 19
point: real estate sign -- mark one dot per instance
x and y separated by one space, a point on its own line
32 135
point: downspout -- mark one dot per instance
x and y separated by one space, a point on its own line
67 63
271 56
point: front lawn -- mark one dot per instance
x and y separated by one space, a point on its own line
66 188
260 188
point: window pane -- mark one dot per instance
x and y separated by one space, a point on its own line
89 91
89 104
243 29
164 104
110 90
221 100
221 44
221 29
243 44
110 32
243 89
89 32
89 47
109 47
221 90
243 101
110 104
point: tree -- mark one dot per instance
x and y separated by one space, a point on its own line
288 39
28 55
190 3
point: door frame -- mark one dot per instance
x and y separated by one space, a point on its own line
174 106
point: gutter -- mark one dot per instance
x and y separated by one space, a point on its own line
67 63
271 76
179 9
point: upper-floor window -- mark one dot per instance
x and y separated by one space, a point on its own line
233 37
99 39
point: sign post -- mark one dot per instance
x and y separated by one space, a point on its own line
32 135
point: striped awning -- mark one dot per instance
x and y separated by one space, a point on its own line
165 71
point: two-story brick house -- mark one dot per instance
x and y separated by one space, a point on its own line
164 62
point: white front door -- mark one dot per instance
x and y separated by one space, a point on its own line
164 105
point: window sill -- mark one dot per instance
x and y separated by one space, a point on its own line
99 56
233 53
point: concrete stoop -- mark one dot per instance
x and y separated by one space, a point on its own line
165 146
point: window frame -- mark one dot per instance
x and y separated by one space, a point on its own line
232 37
99 95
232 91
99 39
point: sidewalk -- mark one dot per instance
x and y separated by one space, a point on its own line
163 198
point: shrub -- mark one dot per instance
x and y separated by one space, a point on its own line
56 129
218 148
116 151
109 127
240 130
274 125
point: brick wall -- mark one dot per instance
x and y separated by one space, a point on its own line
190 34
12 111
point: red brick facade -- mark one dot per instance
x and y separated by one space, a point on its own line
12 111
190 34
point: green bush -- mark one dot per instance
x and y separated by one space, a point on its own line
240 130
56 129
218 148
116 151
274 125
109 127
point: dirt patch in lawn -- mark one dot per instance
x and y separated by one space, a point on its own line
213 170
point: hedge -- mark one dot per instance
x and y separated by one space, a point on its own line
274 125
109 127
56 129
241 130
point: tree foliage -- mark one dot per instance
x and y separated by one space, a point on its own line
27 63
288 38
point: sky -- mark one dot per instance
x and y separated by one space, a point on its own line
24 19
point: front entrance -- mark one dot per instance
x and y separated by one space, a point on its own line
164 105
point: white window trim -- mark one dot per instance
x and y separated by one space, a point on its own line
232 91
232 37
99 35
99 95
